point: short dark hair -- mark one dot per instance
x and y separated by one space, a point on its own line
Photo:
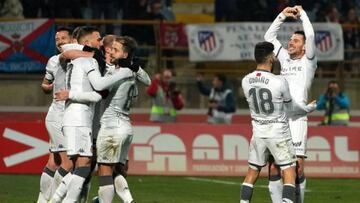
64 28
221 77
129 45
76 31
262 51
300 32
85 31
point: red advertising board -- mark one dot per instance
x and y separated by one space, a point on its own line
188 149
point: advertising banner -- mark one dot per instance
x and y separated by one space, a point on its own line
189 149
236 41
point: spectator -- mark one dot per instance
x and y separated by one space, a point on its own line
11 9
166 98
226 10
221 100
336 105
351 34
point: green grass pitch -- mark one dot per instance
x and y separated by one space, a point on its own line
165 189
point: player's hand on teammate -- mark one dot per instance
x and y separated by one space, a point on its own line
47 87
61 95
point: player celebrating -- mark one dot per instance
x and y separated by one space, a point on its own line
116 132
58 164
298 66
268 95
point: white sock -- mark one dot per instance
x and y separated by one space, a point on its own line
84 194
45 185
58 177
106 193
300 191
74 189
276 189
41 198
122 189
61 191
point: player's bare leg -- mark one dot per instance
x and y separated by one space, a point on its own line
289 175
106 183
300 180
248 184
275 183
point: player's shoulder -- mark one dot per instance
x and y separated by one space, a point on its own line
52 62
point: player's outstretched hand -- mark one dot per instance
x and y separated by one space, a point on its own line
290 12
61 95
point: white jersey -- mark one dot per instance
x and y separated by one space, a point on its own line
122 95
56 74
76 113
299 72
267 95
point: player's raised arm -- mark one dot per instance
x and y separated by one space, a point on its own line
271 33
309 33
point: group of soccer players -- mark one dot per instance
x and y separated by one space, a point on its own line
279 111
94 83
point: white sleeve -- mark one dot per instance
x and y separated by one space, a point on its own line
143 77
85 96
310 47
101 83
271 36
51 67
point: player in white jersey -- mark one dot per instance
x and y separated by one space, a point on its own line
58 163
298 66
82 76
116 132
268 97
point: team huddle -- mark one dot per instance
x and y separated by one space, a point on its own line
94 83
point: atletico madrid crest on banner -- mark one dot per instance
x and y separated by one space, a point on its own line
26 45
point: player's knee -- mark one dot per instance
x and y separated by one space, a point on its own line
51 165
120 170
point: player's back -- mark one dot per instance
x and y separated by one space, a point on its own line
79 114
266 94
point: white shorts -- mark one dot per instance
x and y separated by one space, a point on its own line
113 144
57 138
298 129
280 148
79 140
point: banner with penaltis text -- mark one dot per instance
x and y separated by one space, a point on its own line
26 45
236 41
